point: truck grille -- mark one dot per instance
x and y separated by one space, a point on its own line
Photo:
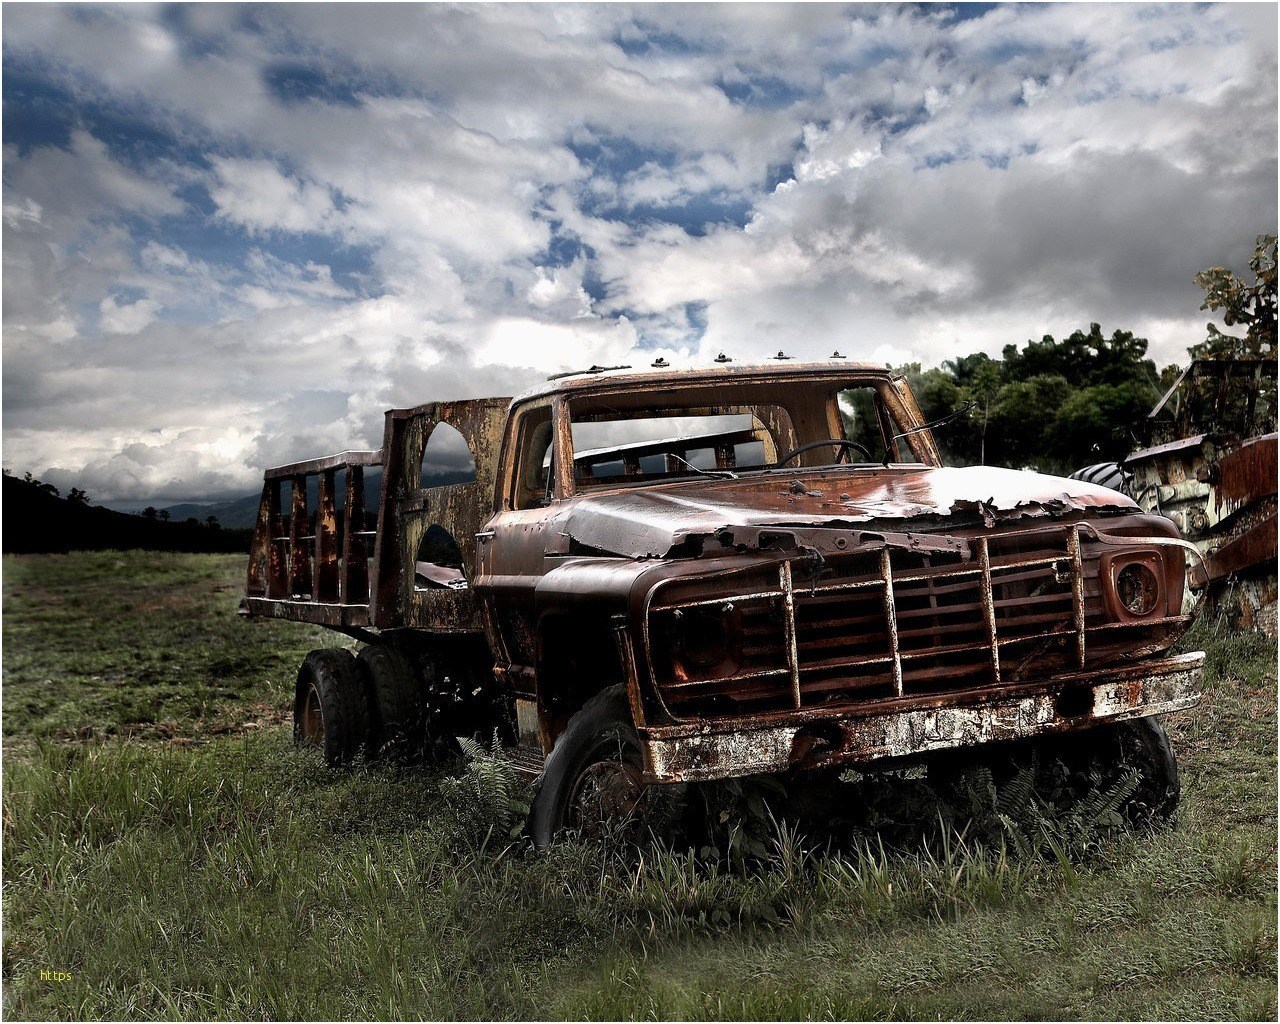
885 624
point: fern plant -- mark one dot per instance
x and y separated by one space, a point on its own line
488 799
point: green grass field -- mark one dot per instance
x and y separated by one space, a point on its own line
169 855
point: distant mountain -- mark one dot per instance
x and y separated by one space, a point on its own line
242 513
235 514
36 520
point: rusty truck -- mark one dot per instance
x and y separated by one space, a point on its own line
671 575
1212 470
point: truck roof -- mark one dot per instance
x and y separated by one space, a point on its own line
626 378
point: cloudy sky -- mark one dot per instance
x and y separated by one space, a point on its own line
233 235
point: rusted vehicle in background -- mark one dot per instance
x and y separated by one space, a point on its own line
680 575
1212 470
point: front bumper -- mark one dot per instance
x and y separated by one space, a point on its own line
878 730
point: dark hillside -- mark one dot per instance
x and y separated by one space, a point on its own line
237 513
37 520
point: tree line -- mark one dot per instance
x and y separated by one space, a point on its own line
1058 405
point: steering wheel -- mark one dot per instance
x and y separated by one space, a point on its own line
836 442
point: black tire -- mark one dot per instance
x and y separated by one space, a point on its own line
396 713
1145 746
601 738
1109 751
1093 759
330 708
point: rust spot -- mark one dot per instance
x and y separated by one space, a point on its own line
1246 474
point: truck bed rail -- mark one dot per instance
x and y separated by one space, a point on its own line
313 565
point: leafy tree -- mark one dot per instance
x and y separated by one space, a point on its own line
1251 306
1054 405
1097 424
1085 358
149 512
77 496
1021 417
212 523
40 486
164 515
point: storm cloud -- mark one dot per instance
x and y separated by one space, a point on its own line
235 234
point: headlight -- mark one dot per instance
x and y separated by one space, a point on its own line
707 641
1138 588
1133 584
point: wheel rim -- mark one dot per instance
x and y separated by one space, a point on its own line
605 795
312 721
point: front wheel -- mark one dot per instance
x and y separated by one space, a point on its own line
1133 756
593 780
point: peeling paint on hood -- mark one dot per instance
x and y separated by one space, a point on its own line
652 521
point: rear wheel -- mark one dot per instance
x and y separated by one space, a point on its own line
396 714
329 707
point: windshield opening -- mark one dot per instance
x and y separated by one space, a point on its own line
620 439
612 447
867 423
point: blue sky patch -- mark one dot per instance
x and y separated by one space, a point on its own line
300 83
615 155
36 112
764 91
563 248
645 39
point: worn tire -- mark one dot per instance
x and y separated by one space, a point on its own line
1145 746
600 733
395 721
1138 744
330 708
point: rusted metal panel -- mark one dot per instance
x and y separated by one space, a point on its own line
300 581
339 461
1219 486
1244 475
309 611
407 510
891 624
1255 545
921 443
652 522
989 604
882 730
326 529
754 377
1077 594
789 630
1169 447
355 558
1035 598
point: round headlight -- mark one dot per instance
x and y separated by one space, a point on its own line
704 639
1137 588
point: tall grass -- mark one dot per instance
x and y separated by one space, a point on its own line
241 881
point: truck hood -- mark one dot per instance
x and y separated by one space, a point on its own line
653 521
